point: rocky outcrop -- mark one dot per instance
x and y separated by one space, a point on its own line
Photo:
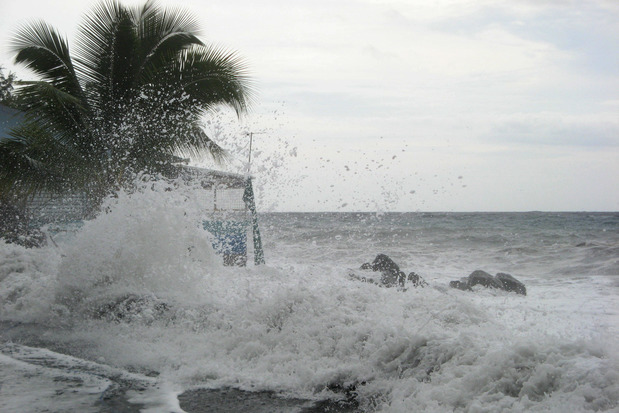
480 277
390 274
501 281
511 284
416 280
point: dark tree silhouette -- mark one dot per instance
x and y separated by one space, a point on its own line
128 99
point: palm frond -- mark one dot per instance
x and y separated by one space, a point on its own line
95 40
198 144
162 34
214 76
106 45
54 148
130 98
43 50
34 159
48 103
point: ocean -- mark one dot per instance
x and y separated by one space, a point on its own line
135 312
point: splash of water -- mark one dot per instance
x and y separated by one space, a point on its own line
140 288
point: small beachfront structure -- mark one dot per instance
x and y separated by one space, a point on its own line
229 205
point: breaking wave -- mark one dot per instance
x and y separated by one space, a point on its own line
140 289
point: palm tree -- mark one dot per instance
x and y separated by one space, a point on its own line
127 100
6 87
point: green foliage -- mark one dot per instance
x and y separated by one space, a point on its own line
6 87
127 99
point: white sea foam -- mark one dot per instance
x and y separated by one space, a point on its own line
28 387
140 289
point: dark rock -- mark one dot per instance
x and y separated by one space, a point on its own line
479 277
384 263
501 281
391 275
509 283
416 280
392 279
462 284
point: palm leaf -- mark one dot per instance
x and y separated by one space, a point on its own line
48 103
40 48
130 98
105 55
197 144
213 76
162 34
34 159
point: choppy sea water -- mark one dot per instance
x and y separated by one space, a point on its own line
135 312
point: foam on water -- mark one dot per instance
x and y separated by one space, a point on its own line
36 379
140 289
24 385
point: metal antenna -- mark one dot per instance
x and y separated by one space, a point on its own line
251 139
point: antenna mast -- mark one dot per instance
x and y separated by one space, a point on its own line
251 140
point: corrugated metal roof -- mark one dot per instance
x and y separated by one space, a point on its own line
210 177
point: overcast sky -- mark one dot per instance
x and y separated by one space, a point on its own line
413 105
